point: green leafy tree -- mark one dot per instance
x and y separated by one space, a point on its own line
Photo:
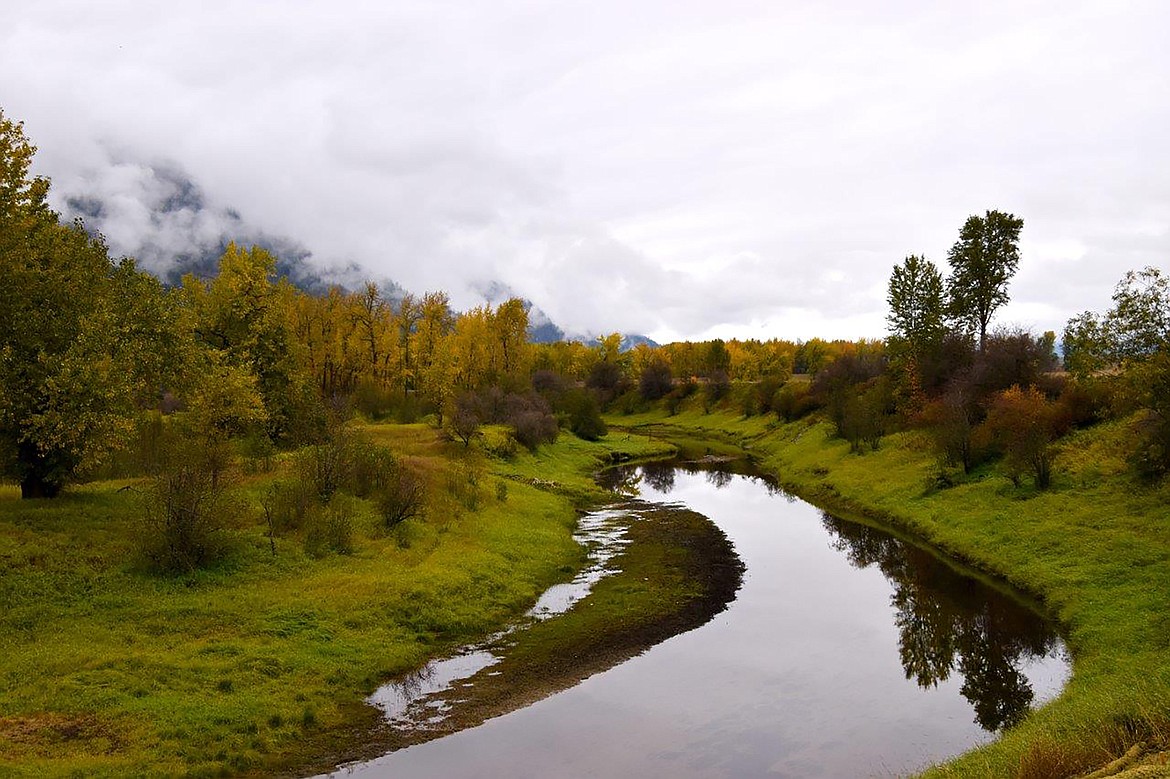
983 261
915 297
74 354
717 359
1138 325
1085 349
244 314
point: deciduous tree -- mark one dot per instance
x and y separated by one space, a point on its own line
73 358
915 298
983 261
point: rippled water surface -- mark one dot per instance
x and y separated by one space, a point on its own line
847 652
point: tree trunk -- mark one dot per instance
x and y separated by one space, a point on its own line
37 487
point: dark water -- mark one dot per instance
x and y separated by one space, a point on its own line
847 652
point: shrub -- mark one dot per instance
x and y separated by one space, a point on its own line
1011 358
346 461
1151 380
186 507
548 383
584 416
373 400
463 422
793 401
953 422
607 380
655 381
330 528
863 417
1023 421
765 392
1085 401
499 444
531 420
402 497
749 403
716 389
287 503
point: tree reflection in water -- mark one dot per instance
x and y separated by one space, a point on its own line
622 479
659 476
719 478
947 625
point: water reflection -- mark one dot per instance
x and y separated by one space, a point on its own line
846 652
659 476
948 624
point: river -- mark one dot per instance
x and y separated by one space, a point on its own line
846 652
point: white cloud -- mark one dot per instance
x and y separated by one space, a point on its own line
681 168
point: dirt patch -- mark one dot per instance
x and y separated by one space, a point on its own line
44 734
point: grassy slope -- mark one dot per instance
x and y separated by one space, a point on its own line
262 662
1095 549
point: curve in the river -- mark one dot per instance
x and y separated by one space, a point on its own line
847 652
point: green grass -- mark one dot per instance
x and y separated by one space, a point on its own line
1095 549
260 664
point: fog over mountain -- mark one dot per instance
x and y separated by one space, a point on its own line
682 169
159 216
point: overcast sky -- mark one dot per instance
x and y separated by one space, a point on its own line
680 169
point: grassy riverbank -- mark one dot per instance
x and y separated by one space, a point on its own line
1095 549
261 663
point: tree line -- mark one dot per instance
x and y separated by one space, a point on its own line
90 346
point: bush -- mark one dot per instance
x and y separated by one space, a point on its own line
584 416
793 401
1151 380
863 417
287 504
463 422
461 482
402 497
1085 401
373 400
346 461
1023 421
531 420
186 507
606 379
1011 358
500 444
655 381
749 403
550 384
716 389
954 422
330 528
765 392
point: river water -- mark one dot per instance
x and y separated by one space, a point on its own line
847 652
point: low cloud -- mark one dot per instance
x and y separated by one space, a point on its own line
674 168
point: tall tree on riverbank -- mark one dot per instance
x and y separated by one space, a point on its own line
983 261
915 297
